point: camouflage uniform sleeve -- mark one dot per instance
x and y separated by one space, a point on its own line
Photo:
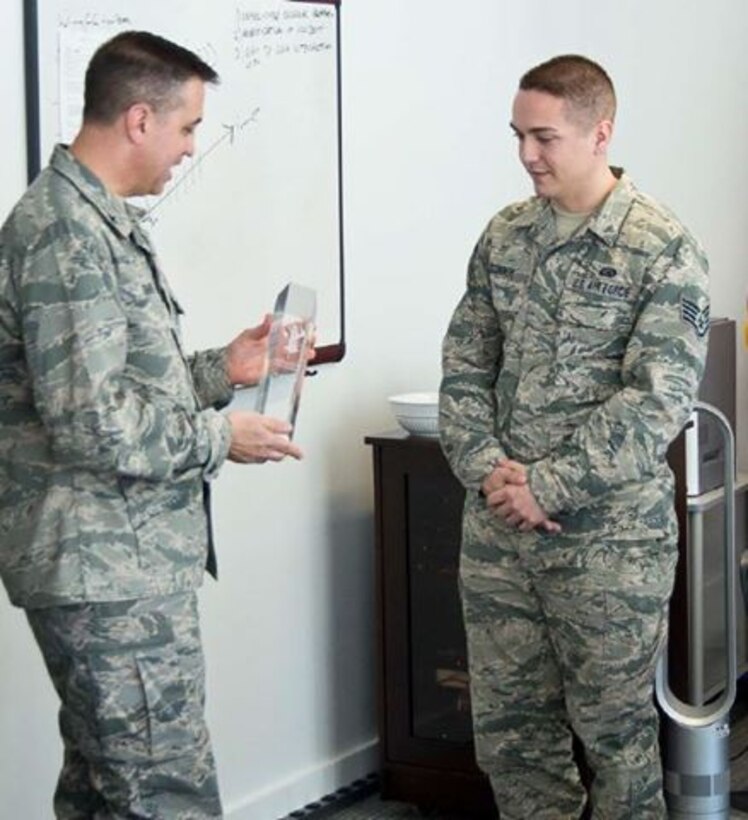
76 341
210 377
626 438
471 358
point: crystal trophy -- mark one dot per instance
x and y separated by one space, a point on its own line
291 335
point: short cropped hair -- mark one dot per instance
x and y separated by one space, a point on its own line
581 83
138 67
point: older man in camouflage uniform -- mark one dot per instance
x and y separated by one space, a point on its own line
571 362
108 433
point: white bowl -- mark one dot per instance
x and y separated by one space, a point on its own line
418 413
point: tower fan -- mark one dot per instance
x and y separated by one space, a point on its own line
697 735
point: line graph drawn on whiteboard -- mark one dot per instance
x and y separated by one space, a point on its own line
231 132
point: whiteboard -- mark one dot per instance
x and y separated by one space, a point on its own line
260 203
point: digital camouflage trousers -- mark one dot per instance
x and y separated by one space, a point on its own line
563 634
131 681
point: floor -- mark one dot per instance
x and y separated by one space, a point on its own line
363 801
374 808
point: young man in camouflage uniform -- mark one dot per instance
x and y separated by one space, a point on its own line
108 434
571 362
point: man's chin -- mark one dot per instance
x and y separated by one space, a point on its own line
542 187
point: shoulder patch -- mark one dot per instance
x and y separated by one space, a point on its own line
697 317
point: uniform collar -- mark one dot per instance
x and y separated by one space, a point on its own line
606 223
120 215
609 219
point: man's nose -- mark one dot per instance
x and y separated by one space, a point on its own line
528 151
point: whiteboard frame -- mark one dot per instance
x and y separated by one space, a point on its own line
327 350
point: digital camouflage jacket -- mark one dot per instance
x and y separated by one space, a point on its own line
579 358
107 429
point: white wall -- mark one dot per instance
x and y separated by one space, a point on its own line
428 158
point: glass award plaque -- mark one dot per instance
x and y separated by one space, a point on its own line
291 335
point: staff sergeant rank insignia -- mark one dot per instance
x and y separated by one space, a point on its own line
695 316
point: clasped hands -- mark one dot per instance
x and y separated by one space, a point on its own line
256 438
508 494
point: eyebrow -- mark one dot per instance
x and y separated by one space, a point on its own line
542 129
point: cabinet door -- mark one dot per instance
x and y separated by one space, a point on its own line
425 682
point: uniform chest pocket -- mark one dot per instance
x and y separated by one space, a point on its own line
509 281
593 328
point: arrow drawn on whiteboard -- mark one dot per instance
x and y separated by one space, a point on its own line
230 131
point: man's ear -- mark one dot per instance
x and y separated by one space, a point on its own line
603 136
137 119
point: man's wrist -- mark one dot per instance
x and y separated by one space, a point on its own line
545 488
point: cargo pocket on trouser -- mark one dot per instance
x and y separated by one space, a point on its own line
152 750
609 628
